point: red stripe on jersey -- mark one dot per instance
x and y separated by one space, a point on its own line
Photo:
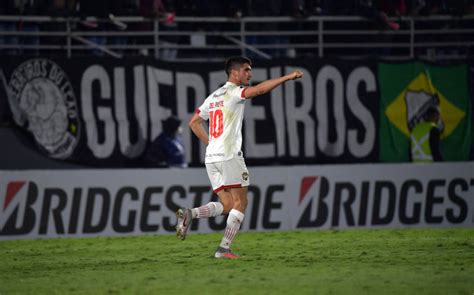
233 186
219 189
198 111
242 95
227 186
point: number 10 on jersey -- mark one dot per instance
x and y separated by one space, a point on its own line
216 123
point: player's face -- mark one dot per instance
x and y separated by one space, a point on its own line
245 74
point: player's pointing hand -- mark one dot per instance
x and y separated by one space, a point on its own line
296 75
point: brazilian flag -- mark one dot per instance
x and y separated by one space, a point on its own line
407 90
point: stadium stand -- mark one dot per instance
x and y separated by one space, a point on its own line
207 30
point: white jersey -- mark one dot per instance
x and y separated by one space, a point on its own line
224 109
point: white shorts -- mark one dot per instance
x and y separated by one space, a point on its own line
228 174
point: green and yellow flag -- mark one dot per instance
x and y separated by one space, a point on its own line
406 91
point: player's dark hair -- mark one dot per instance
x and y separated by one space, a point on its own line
235 62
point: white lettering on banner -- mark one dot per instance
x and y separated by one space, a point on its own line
292 108
358 76
91 76
184 83
300 114
126 147
254 113
97 75
330 74
278 113
155 77
78 203
42 100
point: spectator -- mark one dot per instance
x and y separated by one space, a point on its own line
272 8
368 10
165 10
186 8
211 8
167 150
57 8
120 8
90 11
425 138
60 8
7 7
153 8
364 8
28 7
97 8
393 7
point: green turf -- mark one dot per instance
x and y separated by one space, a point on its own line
419 261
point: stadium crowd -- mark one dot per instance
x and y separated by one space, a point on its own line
90 11
297 8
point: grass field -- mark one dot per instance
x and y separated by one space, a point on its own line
418 261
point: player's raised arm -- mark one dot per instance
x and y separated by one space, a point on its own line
196 126
268 85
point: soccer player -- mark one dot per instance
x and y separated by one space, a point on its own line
425 138
224 160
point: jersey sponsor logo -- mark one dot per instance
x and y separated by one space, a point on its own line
42 100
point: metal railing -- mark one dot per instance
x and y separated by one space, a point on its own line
199 39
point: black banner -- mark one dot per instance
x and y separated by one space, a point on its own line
105 112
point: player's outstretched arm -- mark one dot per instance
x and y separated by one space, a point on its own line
268 85
196 126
